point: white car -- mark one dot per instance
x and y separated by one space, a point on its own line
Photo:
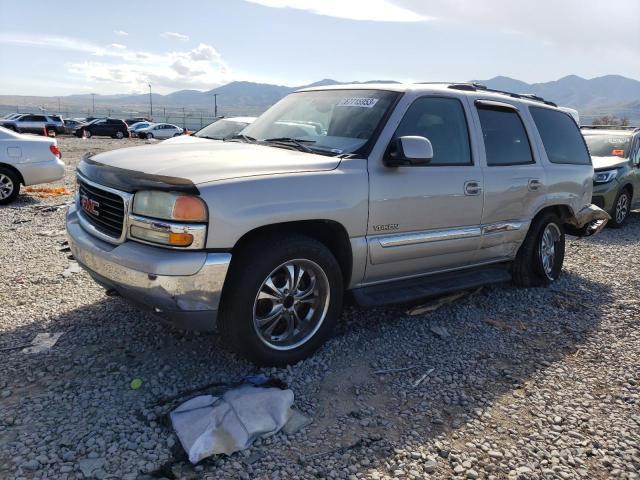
220 130
159 130
26 160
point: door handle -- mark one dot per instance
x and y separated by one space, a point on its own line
534 184
472 187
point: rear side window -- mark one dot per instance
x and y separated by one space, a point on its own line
443 122
560 136
505 138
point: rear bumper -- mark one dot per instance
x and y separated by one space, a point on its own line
180 286
42 172
590 220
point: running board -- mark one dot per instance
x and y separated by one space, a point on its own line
407 291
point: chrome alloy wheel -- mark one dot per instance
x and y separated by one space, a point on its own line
622 207
547 251
6 186
291 304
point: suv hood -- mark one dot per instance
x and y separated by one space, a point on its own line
604 163
209 161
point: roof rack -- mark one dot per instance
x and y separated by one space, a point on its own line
611 127
474 87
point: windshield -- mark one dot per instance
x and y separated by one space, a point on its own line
608 145
328 121
221 129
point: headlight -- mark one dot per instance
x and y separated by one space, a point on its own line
605 177
170 206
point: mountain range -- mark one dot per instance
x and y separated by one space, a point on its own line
606 95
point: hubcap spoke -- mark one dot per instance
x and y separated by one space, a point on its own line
547 250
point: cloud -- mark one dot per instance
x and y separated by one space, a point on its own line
566 24
121 33
118 46
175 36
363 10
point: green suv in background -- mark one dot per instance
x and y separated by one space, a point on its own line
615 154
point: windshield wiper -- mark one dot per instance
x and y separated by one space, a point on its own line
240 136
299 143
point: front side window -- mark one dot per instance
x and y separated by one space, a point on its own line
560 136
332 122
443 122
505 138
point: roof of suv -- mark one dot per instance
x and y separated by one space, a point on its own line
462 88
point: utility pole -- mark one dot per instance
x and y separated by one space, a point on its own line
150 103
215 105
59 106
93 103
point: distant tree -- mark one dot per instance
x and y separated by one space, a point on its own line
611 120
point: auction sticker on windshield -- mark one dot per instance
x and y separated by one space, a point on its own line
364 102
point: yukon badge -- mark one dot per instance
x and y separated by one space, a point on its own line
386 228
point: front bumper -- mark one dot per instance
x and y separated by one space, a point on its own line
183 287
604 195
35 173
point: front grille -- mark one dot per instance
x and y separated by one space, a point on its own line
103 209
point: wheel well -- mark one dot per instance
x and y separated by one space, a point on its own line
629 187
14 170
331 234
563 212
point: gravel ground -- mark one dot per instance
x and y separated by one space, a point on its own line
505 383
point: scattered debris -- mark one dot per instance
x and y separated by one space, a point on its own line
208 425
45 192
439 331
74 267
422 378
136 383
396 370
441 302
296 422
42 342
17 221
504 325
52 233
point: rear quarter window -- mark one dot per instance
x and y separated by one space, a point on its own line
561 137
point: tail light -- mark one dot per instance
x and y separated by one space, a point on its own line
55 150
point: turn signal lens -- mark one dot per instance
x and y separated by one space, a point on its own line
190 209
180 239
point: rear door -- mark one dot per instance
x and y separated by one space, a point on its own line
424 219
514 178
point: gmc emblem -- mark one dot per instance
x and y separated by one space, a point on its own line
90 206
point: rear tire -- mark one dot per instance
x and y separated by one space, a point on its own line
621 208
51 132
540 258
119 135
9 186
282 299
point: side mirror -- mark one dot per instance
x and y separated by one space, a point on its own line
408 151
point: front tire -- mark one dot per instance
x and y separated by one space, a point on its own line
621 209
9 186
119 135
281 300
540 258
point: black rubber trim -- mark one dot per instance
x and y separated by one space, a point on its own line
130 180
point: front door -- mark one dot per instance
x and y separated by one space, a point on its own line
424 219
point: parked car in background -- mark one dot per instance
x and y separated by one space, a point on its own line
615 153
395 192
32 123
72 124
26 160
159 131
131 121
104 127
133 129
225 128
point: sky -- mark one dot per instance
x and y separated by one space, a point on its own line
120 47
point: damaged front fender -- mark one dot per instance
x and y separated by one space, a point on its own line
590 220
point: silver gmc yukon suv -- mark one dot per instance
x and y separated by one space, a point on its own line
390 192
